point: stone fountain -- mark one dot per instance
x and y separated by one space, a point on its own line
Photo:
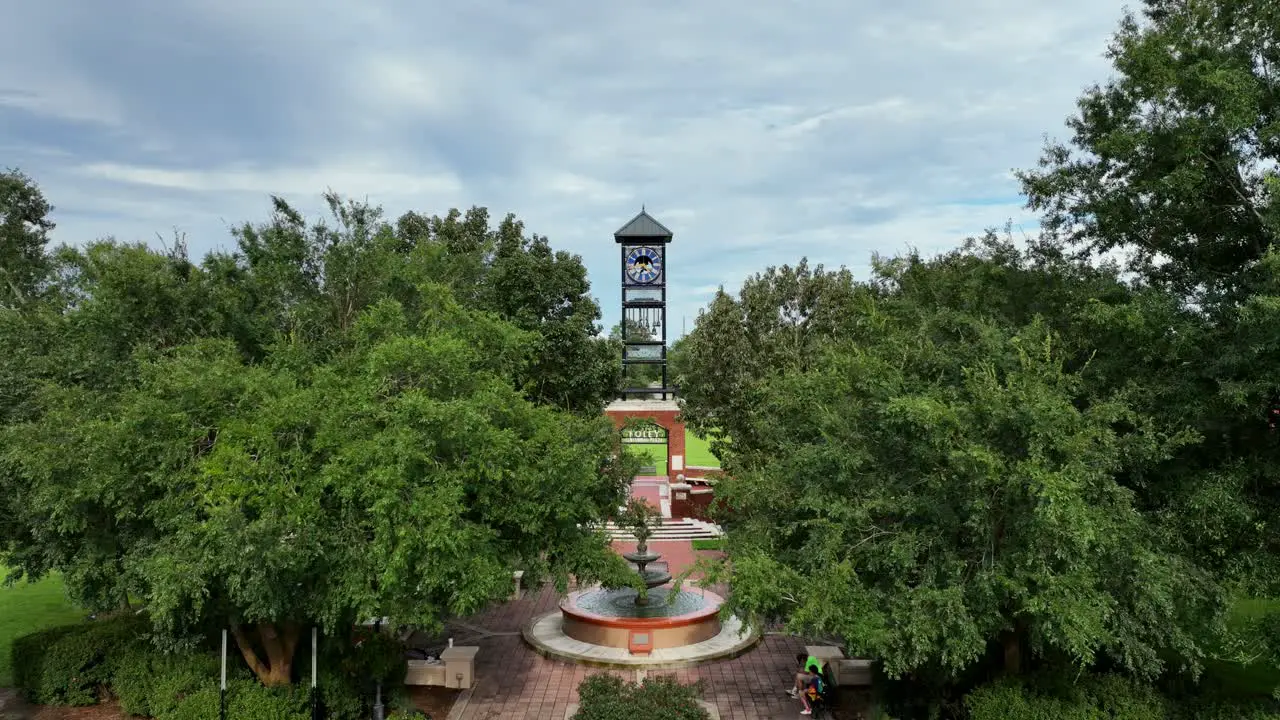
646 625
639 517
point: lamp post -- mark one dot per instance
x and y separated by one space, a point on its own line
222 692
315 693
379 712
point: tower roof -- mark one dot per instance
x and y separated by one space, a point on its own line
643 226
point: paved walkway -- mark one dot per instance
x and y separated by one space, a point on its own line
13 708
11 705
515 683
646 487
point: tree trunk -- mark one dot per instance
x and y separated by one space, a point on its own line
278 642
1011 641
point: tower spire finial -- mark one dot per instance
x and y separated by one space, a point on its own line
641 207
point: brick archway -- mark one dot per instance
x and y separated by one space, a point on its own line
663 413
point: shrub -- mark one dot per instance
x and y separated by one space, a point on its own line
68 665
1106 697
246 700
151 684
1206 709
341 696
608 697
375 657
27 656
185 686
199 705
73 664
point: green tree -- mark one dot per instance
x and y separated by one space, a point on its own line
75 344
524 281
937 484
1172 165
677 360
774 326
1173 160
313 430
24 231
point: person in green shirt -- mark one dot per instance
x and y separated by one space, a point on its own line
810 673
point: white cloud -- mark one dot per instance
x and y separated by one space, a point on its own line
421 86
286 181
759 133
72 102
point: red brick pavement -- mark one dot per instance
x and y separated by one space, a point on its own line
515 683
646 488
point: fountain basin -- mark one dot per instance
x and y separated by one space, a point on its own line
604 617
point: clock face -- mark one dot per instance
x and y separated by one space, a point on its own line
644 264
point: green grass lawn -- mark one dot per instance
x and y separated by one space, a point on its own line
1236 680
27 607
657 456
697 453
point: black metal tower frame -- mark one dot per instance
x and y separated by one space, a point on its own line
644 231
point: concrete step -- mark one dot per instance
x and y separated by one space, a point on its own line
670 529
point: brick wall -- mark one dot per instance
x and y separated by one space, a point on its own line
692 502
702 473
664 418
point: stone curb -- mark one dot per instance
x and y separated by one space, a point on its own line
712 711
740 648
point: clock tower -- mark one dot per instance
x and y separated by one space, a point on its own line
643 242
648 413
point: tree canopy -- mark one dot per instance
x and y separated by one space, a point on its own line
938 479
24 228
336 422
1172 161
775 326
1172 164
1057 445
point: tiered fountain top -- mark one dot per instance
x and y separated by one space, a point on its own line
638 516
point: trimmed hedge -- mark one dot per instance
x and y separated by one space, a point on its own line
245 699
1101 697
80 664
153 685
1224 710
609 697
1105 697
70 665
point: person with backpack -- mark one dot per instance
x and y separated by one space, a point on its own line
808 683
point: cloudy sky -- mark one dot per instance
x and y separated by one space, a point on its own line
758 132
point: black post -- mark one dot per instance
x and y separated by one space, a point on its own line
379 712
315 690
222 686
